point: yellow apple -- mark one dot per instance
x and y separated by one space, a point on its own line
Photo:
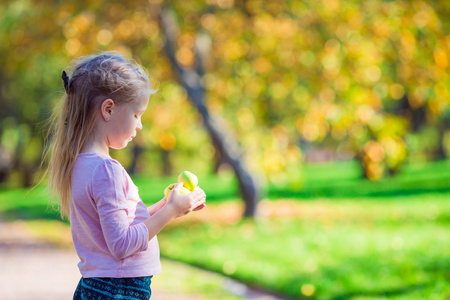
171 186
190 181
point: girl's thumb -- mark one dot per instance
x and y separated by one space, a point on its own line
178 187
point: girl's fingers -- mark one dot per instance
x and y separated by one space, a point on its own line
199 198
192 201
201 206
198 195
178 187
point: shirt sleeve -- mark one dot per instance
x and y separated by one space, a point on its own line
109 187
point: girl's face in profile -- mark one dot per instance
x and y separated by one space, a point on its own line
125 121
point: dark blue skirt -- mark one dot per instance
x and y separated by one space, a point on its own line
114 288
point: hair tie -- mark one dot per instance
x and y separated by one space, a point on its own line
65 78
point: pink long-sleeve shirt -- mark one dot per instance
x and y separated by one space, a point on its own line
106 218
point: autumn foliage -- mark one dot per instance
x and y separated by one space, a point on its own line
294 81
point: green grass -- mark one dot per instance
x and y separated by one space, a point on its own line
339 237
26 204
181 280
343 179
342 249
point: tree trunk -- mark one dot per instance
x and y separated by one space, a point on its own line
136 152
5 165
221 138
219 161
166 168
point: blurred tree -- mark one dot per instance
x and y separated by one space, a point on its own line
333 70
224 143
26 51
367 78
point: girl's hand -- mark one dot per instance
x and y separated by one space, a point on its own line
184 204
201 206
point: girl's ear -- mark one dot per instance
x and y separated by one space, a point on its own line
106 109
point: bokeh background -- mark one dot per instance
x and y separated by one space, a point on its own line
339 109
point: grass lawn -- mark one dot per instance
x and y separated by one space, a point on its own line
340 237
325 248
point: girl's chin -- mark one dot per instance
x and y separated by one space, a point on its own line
118 147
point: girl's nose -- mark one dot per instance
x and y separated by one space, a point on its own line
139 125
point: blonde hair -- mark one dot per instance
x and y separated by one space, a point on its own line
94 79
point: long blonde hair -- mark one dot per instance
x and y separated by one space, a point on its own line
94 79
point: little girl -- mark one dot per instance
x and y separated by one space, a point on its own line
114 233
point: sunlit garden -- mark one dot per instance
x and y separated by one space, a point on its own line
319 131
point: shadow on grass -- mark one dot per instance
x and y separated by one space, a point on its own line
30 213
355 191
